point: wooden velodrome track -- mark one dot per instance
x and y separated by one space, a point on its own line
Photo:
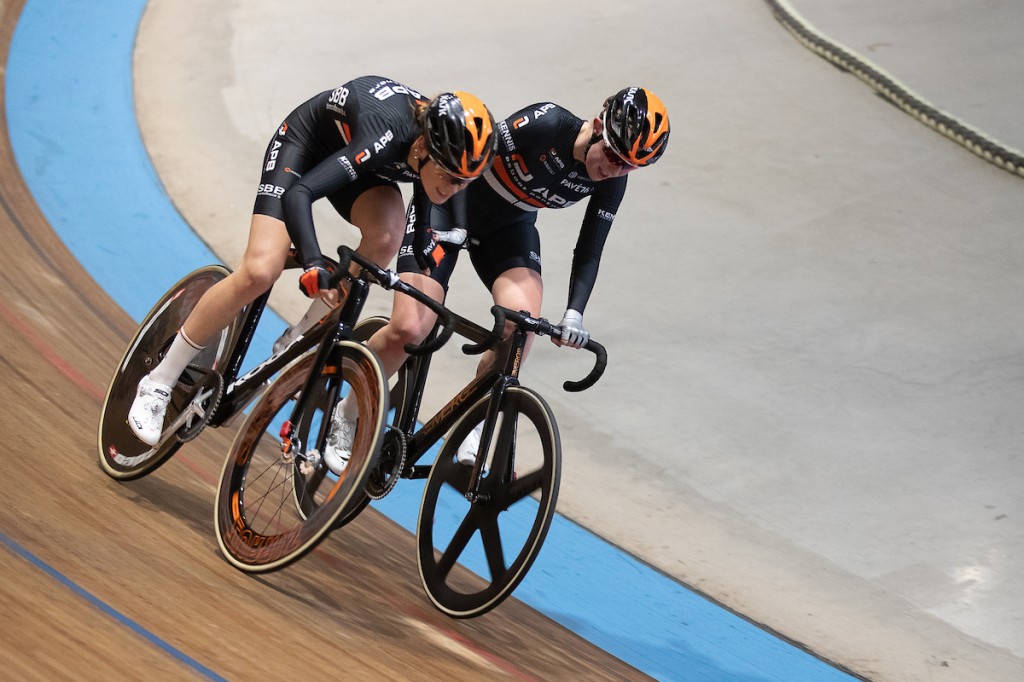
102 580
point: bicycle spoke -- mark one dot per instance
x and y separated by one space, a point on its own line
490 534
522 487
457 545
526 439
275 484
268 513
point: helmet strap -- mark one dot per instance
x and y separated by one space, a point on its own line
421 156
594 139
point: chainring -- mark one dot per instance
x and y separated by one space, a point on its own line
208 390
390 465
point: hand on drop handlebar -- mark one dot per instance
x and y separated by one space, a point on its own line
316 280
574 334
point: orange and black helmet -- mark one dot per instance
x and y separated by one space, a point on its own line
635 126
460 134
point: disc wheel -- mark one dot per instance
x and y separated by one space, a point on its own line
268 514
121 454
497 536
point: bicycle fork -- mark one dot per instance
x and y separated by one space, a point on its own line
291 445
489 444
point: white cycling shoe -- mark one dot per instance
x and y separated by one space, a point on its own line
466 453
287 338
146 416
339 442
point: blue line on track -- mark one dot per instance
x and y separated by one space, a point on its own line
72 124
20 551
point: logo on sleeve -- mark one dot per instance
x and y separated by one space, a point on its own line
347 165
506 136
272 156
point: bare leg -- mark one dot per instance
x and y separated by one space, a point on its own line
517 289
261 266
380 217
410 323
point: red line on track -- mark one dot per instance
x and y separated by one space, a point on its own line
37 342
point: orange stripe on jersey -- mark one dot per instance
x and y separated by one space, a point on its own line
346 133
506 181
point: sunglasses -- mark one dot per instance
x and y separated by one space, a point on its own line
445 176
612 157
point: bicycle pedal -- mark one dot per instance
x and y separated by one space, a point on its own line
311 461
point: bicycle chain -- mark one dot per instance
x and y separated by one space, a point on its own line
888 87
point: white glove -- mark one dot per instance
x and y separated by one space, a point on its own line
455 236
573 333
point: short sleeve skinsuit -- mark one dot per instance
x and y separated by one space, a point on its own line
337 145
534 169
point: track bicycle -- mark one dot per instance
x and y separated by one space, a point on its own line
495 514
318 369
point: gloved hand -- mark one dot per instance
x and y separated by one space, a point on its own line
573 333
316 278
456 236
423 245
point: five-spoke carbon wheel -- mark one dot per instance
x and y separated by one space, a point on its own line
496 536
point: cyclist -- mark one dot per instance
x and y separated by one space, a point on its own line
350 145
547 158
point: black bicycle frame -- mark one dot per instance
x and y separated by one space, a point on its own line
241 391
493 382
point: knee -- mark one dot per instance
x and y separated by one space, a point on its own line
404 330
382 234
386 240
257 276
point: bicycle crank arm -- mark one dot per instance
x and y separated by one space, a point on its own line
187 418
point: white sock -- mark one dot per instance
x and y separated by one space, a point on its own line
181 352
318 310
